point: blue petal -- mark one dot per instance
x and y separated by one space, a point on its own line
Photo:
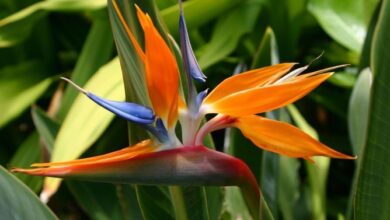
190 64
162 131
129 111
200 97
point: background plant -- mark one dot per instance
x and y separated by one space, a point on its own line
41 40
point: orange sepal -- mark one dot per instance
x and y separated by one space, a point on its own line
263 99
127 153
162 73
248 80
283 138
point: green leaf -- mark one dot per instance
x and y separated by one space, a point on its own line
132 66
366 51
96 51
343 79
318 173
152 208
18 202
195 202
234 205
267 52
46 127
18 26
28 152
86 121
127 196
229 30
372 196
20 86
288 187
286 17
272 169
358 111
194 19
99 200
345 21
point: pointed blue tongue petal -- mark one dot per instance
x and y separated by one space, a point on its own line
190 64
129 111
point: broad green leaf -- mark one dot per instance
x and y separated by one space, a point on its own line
372 196
96 51
99 200
345 21
28 152
234 206
229 30
86 121
18 26
46 127
153 208
365 58
288 191
358 111
127 196
196 202
20 86
18 202
214 199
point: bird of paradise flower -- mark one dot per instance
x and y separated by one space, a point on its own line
168 159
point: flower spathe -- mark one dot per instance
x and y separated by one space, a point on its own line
236 101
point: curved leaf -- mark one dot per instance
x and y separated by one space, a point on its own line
18 26
18 202
20 86
229 30
372 199
358 110
345 21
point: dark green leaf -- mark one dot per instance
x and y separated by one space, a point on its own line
18 202
372 199
194 19
345 21
18 26
229 30
99 200
29 152
96 51
20 86
46 127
